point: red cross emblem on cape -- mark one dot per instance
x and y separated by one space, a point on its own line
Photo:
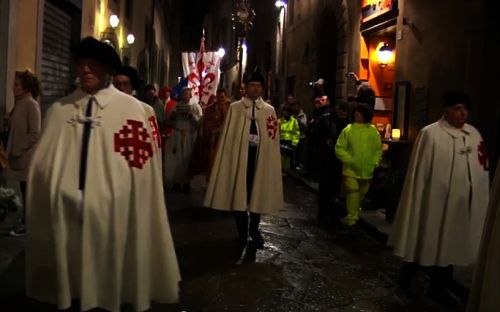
272 126
156 130
482 154
132 142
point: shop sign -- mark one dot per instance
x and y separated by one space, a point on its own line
374 8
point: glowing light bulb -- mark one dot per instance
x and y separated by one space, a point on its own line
130 38
280 4
384 55
114 21
221 52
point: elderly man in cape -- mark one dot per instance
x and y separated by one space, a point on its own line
443 204
246 174
97 224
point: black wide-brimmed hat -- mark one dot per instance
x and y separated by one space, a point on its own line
452 98
131 73
92 48
255 77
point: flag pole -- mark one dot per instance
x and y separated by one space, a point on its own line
201 68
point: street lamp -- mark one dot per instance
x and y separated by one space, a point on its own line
130 39
108 36
281 45
244 55
242 18
280 4
126 49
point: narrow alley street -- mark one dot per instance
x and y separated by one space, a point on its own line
304 267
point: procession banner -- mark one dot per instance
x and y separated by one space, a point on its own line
202 70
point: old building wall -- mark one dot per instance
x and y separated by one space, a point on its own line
440 48
7 56
320 43
150 53
439 45
20 46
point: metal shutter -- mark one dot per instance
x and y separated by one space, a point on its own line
56 54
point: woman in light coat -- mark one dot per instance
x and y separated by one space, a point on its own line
24 130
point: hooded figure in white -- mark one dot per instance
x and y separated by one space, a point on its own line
443 204
97 222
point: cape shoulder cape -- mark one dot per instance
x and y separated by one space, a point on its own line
227 185
437 223
485 292
110 243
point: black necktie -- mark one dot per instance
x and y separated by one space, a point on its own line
253 125
87 126
252 155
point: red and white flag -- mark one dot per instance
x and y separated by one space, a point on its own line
202 70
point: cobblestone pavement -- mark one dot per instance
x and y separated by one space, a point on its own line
304 267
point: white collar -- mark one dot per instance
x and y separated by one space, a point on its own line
455 132
248 102
101 97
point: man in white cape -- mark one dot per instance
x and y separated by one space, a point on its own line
246 174
97 224
485 292
443 204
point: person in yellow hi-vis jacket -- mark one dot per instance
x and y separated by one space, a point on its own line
289 137
359 149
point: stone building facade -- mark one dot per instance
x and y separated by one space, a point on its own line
438 46
39 35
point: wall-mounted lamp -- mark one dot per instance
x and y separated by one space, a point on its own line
384 55
280 4
130 39
114 21
244 56
221 52
126 49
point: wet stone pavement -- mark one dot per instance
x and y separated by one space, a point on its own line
303 267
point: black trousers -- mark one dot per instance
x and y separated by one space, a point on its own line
246 228
330 181
242 217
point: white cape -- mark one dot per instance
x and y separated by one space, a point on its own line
227 184
440 216
485 293
111 243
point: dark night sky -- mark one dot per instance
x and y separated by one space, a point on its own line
193 13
